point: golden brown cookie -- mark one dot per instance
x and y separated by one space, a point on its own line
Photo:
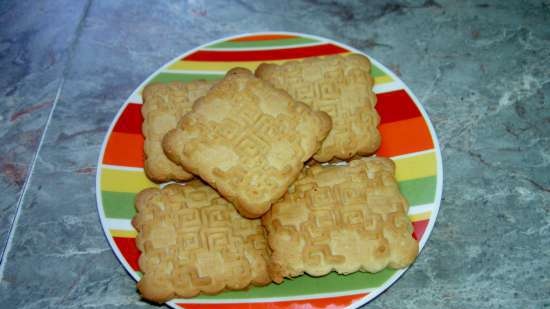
340 86
248 140
163 106
193 241
340 218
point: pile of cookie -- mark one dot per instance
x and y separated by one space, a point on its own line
272 180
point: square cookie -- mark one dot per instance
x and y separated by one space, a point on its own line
163 106
193 241
340 86
340 218
248 140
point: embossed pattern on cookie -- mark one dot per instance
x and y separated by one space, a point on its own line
163 106
340 86
341 218
248 140
193 241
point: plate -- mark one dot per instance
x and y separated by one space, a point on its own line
408 138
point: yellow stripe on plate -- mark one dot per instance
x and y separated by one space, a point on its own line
218 65
124 181
420 216
224 65
382 80
123 233
422 165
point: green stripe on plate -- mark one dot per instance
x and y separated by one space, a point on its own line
376 71
263 43
306 285
419 191
188 77
183 77
118 205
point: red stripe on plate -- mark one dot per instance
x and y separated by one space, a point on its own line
419 228
395 105
261 55
130 120
127 246
318 303
391 106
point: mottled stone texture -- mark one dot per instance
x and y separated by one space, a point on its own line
481 69
35 38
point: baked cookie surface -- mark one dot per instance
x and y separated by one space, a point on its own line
248 140
193 241
163 106
340 86
340 218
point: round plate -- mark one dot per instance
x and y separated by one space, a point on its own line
407 137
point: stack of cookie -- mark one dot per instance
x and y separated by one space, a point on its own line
255 212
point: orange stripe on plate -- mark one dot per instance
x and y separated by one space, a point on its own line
405 136
125 149
318 303
264 37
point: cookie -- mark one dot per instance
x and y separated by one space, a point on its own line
340 86
248 140
163 105
340 218
193 241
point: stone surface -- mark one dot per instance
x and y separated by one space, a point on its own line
35 38
481 70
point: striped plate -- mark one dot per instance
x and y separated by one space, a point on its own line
407 137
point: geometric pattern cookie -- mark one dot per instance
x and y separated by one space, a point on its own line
340 86
192 241
341 218
163 106
248 140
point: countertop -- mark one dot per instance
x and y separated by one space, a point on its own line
480 68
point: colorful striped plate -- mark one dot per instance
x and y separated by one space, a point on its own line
407 137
